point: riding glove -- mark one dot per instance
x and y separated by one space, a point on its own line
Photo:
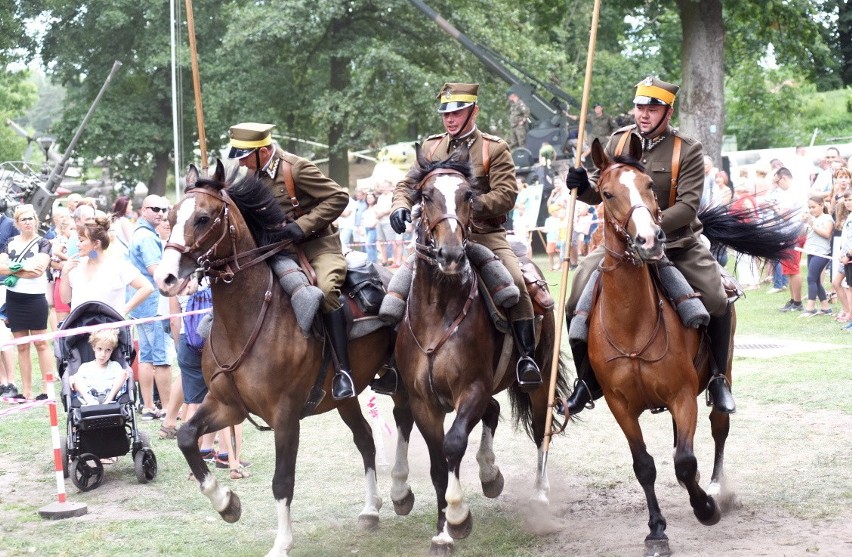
577 179
293 232
398 219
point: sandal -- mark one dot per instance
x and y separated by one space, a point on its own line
239 473
168 432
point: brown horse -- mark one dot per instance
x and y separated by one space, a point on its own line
643 356
453 358
256 361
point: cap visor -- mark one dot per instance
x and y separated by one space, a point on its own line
235 153
452 106
648 100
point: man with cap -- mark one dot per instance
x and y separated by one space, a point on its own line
654 105
599 126
311 202
496 189
519 115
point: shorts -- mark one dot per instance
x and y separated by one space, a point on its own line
551 248
189 361
153 345
58 304
791 264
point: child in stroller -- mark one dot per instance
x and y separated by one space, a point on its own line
98 394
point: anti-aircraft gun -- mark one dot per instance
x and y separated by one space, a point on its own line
21 184
549 120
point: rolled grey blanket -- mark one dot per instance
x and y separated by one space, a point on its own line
393 304
579 329
494 274
205 325
304 297
692 312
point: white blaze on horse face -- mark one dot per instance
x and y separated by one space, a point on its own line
642 220
171 257
447 185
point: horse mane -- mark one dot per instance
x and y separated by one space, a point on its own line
627 159
458 161
261 211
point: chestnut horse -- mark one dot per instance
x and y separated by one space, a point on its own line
256 361
643 356
452 357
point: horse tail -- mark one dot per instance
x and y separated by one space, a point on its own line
764 233
522 403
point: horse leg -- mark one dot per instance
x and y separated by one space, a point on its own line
430 422
685 412
211 416
401 494
287 429
656 542
350 412
489 474
470 409
720 424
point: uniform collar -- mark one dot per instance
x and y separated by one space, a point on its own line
272 165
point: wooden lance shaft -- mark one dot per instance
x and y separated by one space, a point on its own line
196 85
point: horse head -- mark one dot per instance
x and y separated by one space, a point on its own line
632 213
445 195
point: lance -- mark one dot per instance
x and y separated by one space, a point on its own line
196 85
563 285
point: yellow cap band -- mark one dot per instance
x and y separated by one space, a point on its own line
243 144
459 98
655 92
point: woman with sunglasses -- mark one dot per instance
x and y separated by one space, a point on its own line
26 258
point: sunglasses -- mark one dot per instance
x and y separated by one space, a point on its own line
159 209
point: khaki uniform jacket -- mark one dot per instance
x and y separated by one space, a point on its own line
321 201
497 190
600 127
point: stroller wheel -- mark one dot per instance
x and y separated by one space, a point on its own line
86 472
63 446
145 464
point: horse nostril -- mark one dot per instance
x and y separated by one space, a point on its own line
661 236
640 240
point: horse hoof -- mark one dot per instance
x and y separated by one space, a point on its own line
493 488
439 549
369 522
708 514
404 506
657 548
461 531
234 509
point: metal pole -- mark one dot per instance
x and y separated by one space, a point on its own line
196 84
560 306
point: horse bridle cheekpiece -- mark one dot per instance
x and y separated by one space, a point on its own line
427 250
630 254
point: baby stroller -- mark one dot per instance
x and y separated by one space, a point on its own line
99 431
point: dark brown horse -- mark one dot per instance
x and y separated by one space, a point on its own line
256 360
643 356
453 358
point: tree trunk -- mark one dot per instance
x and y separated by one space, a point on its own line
157 183
844 31
338 152
702 93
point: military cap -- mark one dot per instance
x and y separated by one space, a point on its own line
652 90
455 96
247 137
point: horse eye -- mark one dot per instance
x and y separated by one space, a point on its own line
201 221
607 195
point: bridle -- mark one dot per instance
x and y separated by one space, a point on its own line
630 255
225 268
426 249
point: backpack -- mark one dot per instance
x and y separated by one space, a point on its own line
202 299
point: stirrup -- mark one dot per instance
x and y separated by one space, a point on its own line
340 390
590 405
527 386
388 383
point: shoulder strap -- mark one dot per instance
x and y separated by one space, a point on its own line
287 169
675 170
20 257
486 156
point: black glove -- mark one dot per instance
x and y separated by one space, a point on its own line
293 232
398 219
577 179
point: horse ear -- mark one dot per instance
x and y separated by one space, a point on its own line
191 178
598 155
219 173
634 147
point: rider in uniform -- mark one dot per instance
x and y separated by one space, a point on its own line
496 188
311 208
654 104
